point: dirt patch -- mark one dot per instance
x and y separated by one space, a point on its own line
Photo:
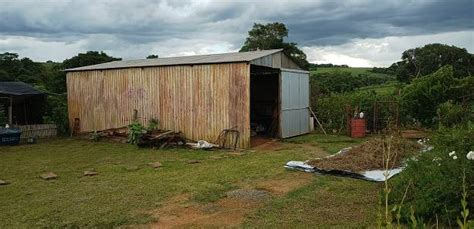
227 212
179 212
253 195
259 143
369 155
281 187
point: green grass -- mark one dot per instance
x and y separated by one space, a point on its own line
122 195
326 202
383 89
329 143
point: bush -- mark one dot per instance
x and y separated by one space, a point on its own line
435 178
56 113
421 99
450 114
331 111
343 81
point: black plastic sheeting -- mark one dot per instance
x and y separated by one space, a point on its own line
18 89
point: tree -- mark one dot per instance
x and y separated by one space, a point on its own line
57 82
88 58
14 69
272 36
152 56
429 58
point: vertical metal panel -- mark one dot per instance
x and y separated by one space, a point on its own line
294 118
199 100
263 61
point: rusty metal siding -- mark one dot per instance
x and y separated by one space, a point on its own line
198 100
294 118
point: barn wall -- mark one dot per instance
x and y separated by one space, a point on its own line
199 100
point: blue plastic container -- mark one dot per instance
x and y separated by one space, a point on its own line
9 136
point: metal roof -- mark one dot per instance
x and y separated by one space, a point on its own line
18 88
184 60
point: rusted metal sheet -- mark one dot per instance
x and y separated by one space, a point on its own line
198 100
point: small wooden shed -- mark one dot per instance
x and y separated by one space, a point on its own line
256 93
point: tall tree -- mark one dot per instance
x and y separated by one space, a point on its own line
429 58
272 36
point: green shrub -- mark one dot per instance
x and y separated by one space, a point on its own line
56 113
331 111
435 178
135 131
450 114
344 81
421 99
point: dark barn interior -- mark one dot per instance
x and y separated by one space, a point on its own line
264 102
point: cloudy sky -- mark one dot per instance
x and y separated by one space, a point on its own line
353 32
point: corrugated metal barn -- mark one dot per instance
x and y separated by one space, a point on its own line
257 93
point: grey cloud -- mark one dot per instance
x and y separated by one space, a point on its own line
114 24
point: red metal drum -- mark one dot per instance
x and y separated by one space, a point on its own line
358 128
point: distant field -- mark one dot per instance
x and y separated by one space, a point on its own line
383 89
354 71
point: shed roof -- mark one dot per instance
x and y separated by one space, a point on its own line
183 60
18 88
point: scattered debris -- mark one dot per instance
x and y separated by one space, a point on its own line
229 138
160 139
193 161
49 176
155 164
151 138
364 161
201 144
368 156
91 172
253 195
2 182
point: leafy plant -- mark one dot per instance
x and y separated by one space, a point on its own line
56 112
450 114
152 124
135 131
436 177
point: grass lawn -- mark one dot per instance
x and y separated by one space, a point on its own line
127 191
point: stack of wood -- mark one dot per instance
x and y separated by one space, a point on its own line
115 134
161 139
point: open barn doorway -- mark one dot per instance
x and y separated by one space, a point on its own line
264 104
